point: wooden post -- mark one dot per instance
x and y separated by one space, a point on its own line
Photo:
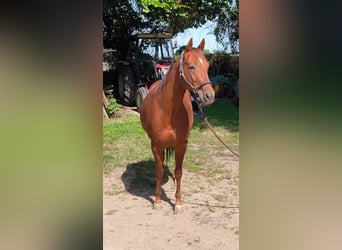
105 100
105 104
105 113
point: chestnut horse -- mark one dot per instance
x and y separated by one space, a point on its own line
166 112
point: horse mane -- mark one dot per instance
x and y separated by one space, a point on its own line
163 81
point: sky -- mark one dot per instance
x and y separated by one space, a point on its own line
206 31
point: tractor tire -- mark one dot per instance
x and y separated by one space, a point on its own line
127 86
141 94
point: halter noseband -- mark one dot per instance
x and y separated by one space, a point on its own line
181 74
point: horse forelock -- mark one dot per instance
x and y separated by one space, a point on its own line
201 57
194 56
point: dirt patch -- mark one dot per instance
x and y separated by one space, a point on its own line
128 110
210 217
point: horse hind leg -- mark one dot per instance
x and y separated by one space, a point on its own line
158 154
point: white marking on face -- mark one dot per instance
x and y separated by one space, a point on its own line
201 61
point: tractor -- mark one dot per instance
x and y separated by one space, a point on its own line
146 59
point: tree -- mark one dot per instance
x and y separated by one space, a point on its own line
120 20
173 16
228 25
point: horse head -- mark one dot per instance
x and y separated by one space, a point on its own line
193 68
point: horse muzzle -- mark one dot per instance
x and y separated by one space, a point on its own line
206 95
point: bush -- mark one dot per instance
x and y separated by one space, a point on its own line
224 64
113 107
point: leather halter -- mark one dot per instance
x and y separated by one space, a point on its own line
181 74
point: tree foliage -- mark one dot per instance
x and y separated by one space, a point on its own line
124 17
228 25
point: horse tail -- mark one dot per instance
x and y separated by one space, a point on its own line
169 153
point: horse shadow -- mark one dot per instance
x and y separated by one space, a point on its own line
139 180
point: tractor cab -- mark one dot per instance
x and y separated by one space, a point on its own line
148 59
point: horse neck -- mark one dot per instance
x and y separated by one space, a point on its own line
173 90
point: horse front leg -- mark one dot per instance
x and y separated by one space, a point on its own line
179 157
158 154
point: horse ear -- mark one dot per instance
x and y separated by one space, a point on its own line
201 45
189 46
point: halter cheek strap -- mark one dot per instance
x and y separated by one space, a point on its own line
181 74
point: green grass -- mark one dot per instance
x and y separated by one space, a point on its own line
220 197
125 143
221 114
210 208
204 146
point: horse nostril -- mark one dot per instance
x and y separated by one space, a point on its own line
208 96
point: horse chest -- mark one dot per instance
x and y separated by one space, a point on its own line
179 133
172 136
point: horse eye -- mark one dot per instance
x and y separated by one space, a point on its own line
191 67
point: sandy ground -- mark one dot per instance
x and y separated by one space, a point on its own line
210 217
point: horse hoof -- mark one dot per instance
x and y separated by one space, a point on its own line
157 206
178 209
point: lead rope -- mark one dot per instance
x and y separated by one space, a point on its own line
204 118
